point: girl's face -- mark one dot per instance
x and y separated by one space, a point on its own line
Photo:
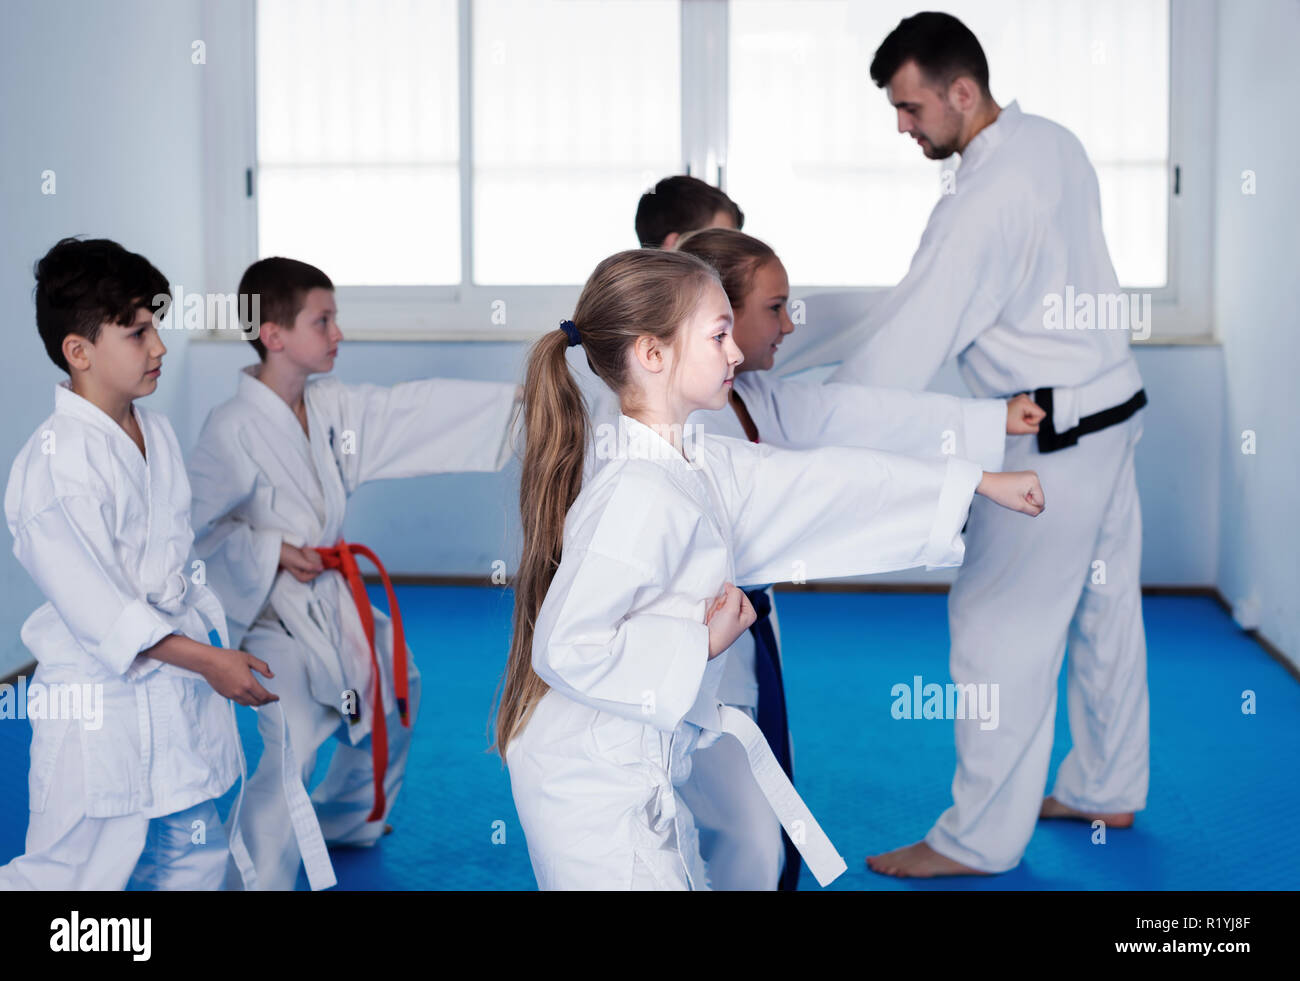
762 320
707 353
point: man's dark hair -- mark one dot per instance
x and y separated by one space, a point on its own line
81 285
680 204
942 47
282 286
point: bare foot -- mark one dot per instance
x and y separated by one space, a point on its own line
918 861
388 829
1053 808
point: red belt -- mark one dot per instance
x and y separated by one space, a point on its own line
342 559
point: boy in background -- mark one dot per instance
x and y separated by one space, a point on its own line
272 471
681 204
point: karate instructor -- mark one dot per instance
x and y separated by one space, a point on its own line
1022 226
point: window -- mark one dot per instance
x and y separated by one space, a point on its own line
357 138
443 159
818 165
577 110
358 130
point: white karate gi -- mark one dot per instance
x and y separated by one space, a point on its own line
258 482
621 638
1024 225
740 838
105 533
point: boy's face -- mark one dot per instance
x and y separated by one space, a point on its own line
763 320
124 362
313 342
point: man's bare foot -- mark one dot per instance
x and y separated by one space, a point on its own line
388 829
918 861
1053 808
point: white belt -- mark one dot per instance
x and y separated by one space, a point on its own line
234 836
1113 387
825 863
306 826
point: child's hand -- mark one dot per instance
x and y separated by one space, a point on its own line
1016 491
230 673
304 564
1023 415
730 616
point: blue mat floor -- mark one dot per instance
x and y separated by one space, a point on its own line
1221 812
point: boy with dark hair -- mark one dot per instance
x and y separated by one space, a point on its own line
681 204
272 472
123 791
281 285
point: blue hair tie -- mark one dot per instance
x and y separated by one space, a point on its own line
571 329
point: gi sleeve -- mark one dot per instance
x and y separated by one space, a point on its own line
840 511
920 424
436 425
984 432
67 548
240 561
953 291
596 644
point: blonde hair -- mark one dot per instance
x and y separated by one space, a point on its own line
629 295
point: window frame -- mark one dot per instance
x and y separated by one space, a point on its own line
1181 310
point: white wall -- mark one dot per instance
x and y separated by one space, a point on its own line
104 95
1257 309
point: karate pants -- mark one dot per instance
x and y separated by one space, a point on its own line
740 835
66 850
346 795
1029 586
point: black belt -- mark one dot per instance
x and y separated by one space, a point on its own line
1050 440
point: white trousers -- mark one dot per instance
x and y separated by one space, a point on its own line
1029 586
66 850
740 835
346 795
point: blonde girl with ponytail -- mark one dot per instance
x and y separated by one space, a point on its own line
627 594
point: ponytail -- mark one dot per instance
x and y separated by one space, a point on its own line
556 429
630 294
